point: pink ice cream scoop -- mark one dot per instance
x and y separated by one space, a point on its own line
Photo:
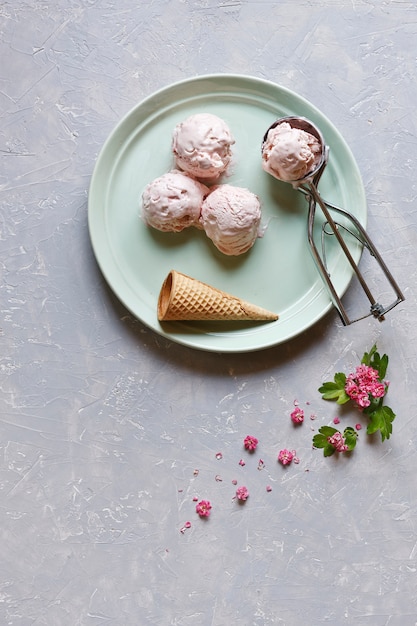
231 218
201 145
173 202
290 153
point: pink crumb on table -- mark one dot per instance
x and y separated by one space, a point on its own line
203 508
285 456
242 493
250 443
297 416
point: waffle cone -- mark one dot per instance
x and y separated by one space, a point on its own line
185 298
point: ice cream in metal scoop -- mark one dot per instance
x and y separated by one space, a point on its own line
294 150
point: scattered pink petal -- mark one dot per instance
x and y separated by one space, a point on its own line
218 478
296 460
242 493
336 420
234 481
242 462
261 464
313 416
268 488
285 456
358 426
203 508
219 455
297 416
250 443
196 472
185 527
195 499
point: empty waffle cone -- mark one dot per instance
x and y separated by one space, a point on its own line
185 298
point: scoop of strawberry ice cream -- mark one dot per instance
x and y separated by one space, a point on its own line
173 202
201 145
231 218
289 153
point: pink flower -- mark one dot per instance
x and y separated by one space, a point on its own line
250 443
358 426
285 456
242 493
203 508
363 385
297 415
338 442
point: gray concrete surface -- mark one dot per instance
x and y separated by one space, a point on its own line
109 431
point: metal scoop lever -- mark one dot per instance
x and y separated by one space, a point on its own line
376 309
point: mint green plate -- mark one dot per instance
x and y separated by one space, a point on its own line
278 273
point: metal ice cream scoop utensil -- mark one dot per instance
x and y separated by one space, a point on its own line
349 226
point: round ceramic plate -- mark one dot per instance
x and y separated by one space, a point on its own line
278 273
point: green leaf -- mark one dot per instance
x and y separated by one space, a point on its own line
327 431
382 366
320 440
328 450
381 419
367 357
351 437
335 390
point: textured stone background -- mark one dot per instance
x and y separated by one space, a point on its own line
103 422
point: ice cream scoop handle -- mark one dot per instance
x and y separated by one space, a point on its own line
377 309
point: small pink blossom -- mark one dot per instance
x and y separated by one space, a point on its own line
338 442
297 416
242 493
203 508
285 456
250 443
336 420
234 481
242 463
358 426
261 464
219 456
268 488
